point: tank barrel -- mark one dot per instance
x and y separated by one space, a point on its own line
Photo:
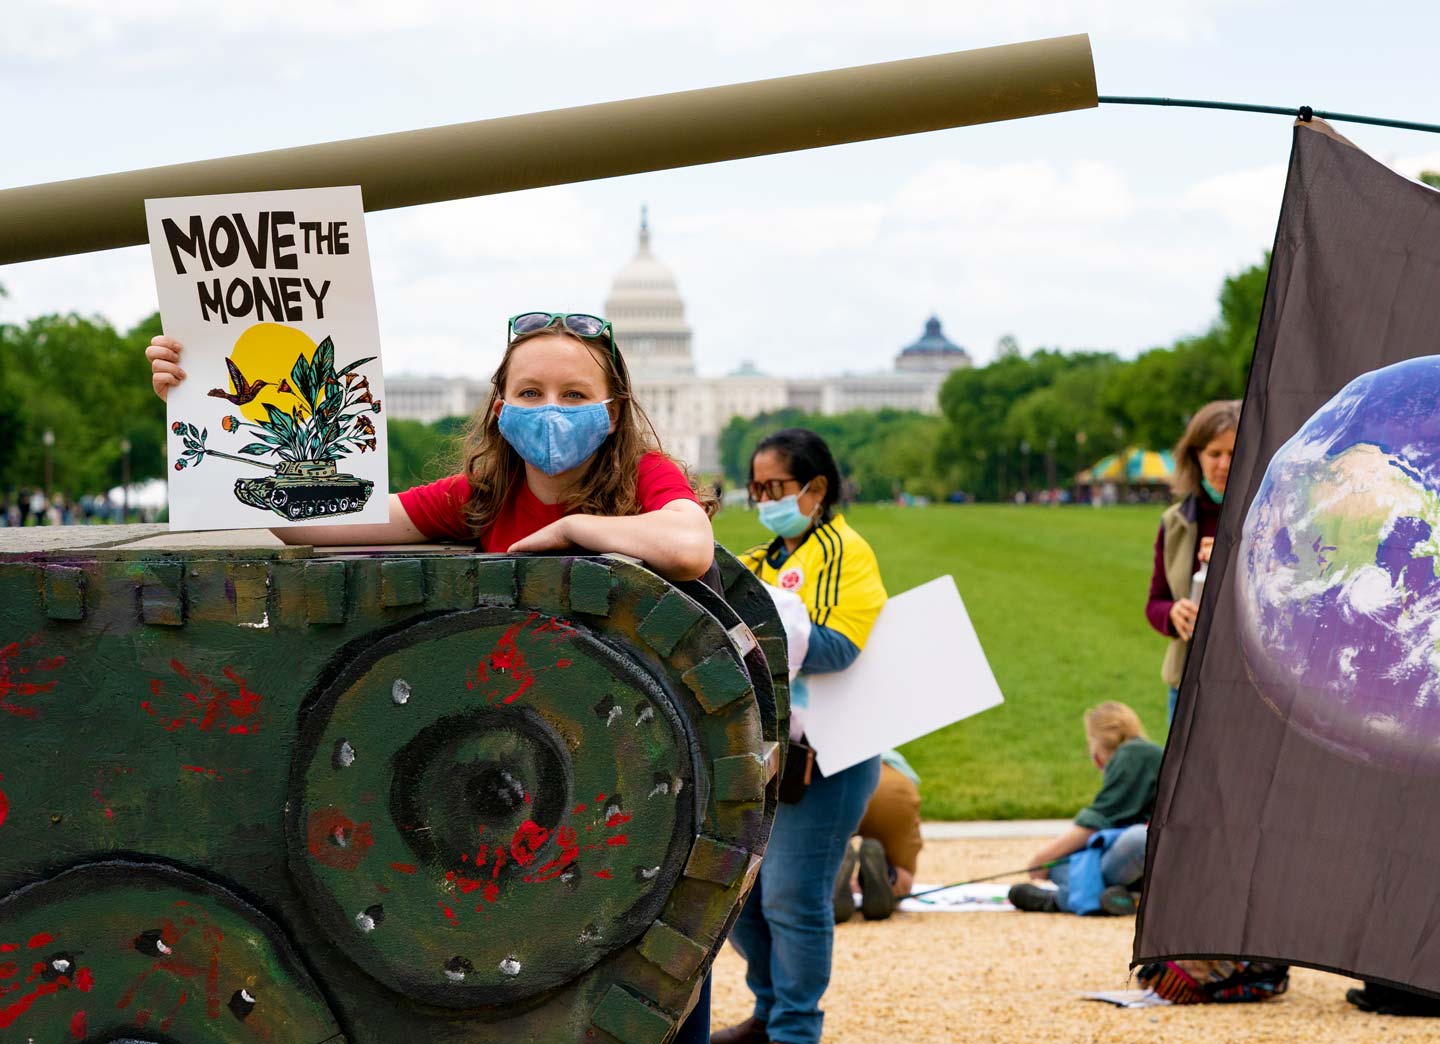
605 140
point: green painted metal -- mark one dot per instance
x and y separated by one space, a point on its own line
122 948
470 790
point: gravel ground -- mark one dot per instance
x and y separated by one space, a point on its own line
1012 977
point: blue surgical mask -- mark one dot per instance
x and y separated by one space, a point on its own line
783 517
555 438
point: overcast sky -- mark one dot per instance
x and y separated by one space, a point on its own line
1106 228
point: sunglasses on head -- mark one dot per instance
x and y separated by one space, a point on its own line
589 327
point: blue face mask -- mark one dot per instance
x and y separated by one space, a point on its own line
555 438
783 517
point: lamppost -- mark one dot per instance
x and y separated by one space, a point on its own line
125 480
1050 467
49 439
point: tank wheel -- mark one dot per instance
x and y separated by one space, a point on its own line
309 510
106 961
294 510
334 506
344 503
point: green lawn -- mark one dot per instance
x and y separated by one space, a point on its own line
1057 596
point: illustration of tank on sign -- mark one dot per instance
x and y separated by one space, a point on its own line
251 792
305 422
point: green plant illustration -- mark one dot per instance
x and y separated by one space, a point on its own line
330 421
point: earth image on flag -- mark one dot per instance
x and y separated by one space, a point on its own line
1338 573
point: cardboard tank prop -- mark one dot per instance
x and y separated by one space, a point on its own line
262 793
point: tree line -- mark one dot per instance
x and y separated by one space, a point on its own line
1021 421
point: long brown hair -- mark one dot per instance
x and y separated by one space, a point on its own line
607 486
1210 422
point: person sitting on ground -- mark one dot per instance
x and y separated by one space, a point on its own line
881 867
1118 815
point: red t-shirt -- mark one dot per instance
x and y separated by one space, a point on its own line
438 509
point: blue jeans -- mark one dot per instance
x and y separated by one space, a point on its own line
1174 695
1122 864
786 930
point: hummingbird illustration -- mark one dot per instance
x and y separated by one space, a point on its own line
245 391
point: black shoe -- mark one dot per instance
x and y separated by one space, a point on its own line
877 896
1119 901
1389 1000
844 899
1033 899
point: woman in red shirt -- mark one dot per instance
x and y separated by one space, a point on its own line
560 456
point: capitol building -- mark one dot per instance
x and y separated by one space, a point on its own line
688 410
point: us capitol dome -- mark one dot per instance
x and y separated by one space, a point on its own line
689 410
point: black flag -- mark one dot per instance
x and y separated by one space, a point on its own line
1298 816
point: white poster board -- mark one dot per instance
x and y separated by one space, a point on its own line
922 669
279 420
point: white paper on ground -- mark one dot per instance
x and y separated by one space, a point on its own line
973 898
922 669
261 280
1129 998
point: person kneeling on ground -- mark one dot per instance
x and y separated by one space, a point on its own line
881 868
1114 824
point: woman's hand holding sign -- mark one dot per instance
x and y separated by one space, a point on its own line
165 370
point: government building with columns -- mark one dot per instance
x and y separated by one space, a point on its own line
689 410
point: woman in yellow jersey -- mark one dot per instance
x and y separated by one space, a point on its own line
786 929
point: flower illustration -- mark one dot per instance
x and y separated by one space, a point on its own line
177 427
179 465
230 423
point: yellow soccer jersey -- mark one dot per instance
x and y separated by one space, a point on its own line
835 574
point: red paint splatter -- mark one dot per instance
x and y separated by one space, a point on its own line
4 807
568 842
617 819
11 670
403 868
529 838
84 980
578 809
8 969
491 893
335 840
562 664
11 1012
43 939
449 915
604 875
77 1025
202 770
179 970
599 798
8 947
618 841
207 704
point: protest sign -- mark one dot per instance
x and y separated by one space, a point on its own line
280 419
1297 817
922 669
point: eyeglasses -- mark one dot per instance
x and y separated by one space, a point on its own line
772 488
590 327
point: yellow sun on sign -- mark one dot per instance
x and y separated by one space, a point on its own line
267 352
